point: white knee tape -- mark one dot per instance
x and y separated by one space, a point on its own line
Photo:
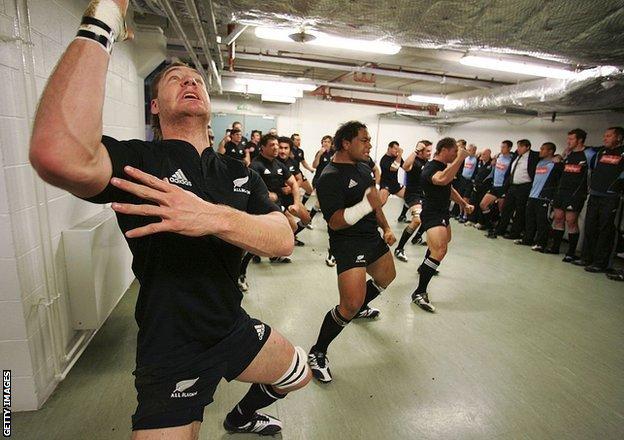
297 371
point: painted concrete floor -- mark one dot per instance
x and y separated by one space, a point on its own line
522 346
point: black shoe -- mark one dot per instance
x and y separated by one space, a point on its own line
491 234
551 251
299 242
570 258
511 237
401 219
319 364
262 424
422 301
520 241
367 313
256 259
616 276
595 269
581 262
280 260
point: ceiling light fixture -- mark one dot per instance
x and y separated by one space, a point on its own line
429 99
278 98
325 40
279 85
520 67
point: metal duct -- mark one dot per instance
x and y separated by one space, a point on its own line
601 87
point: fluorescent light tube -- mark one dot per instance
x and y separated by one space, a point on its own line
325 40
520 67
278 98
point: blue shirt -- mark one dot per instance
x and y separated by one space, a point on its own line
500 169
470 164
542 173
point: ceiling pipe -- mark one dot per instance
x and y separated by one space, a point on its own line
234 33
414 76
231 48
326 95
212 25
199 31
171 15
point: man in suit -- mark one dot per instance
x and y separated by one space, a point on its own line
518 182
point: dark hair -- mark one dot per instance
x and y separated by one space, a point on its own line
236 122
347 132
256 131
525 143
580 134
266 138
445 143
292 136
619 131
155 119
327 136
234 131
392 144
462 141
425 142
552 147
285 140
508 143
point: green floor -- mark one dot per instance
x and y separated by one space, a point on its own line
522 346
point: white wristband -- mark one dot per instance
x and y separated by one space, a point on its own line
108 12
357 212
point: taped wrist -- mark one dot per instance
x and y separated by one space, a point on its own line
104 23
355 213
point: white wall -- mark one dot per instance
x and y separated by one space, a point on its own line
26 235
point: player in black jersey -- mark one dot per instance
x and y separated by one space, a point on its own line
389 184
236 147
186 223
413 192
299 156
284 156
571 194
283 190
352 208
253 146
605 189
436 179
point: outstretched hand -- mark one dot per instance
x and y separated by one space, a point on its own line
180 211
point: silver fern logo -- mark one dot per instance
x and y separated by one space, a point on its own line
238 185
183 386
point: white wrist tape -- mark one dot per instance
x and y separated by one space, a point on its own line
104 23
355 213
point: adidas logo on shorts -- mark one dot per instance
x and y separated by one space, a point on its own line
260 329
179 177
352 183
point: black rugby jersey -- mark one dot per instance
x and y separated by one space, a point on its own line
236 151
388 176
437 197
412 181
298 155
188 299
273 172
607 178
342 185
291 164
575 170
323 161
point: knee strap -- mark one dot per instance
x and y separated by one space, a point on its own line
297 371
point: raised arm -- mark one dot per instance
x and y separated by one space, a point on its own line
66 148
317 158
409 162
445 177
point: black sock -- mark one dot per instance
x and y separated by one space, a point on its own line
372 292
305 198
331 327
407 233
573 239
418 235
404 210
300 227
245 263
557 237
313 212
426 270
486 218
258 396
